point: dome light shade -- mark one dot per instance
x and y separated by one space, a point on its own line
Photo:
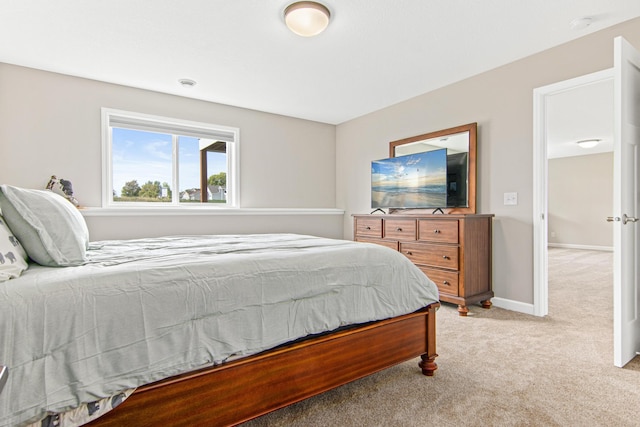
306 18
588 143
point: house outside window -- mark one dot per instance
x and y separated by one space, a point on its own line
153 161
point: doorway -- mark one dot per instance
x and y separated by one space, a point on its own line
626 204
547 140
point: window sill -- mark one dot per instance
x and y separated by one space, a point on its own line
186 211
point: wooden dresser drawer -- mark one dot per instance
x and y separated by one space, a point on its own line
447 281
401 229
454 250
443 231
371 227
393 244
433 255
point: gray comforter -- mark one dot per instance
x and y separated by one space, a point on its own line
143 310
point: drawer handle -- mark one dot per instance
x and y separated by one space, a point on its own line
436 231
409 253
368 228
445 257
398 229
446 283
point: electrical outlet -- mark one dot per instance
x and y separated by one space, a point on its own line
510 198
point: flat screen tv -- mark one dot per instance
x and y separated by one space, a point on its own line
413 181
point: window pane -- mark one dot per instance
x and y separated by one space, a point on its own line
217 176
191 173
142 166
189 169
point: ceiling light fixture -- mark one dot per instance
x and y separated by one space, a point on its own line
307 18
588 143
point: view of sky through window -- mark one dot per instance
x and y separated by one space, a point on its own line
147 156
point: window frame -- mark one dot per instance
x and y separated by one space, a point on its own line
174 127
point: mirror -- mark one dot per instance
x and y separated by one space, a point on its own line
460 143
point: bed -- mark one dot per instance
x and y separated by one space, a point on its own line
214 330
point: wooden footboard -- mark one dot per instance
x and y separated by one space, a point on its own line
238 391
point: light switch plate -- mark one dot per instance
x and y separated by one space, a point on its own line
510 198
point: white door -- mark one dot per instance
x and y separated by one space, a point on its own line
626 158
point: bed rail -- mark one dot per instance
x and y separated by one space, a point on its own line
235 392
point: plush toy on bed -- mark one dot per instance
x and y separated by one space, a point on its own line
62 187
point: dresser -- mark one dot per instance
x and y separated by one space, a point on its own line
452 250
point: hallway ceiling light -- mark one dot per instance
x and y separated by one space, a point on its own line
588 143
306 18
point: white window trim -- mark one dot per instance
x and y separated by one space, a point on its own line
232 137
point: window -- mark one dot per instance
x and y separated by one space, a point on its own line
158 161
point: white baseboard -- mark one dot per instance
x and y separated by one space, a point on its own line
507 304
585 247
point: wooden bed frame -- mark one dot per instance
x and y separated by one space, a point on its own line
235 392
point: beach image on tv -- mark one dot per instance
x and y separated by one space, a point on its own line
413 181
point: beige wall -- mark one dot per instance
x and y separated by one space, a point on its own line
580 197
501 101
50 124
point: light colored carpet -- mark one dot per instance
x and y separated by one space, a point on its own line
502 368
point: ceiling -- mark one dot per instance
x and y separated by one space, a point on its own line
578 114
374 53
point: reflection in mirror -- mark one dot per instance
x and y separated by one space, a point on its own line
460 143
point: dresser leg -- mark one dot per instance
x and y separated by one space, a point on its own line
462 310
486 303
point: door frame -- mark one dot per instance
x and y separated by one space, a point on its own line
540 182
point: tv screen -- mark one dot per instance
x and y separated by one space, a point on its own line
413 181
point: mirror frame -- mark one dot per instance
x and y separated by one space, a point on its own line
472 128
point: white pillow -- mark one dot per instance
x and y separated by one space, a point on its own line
13 258
49 227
